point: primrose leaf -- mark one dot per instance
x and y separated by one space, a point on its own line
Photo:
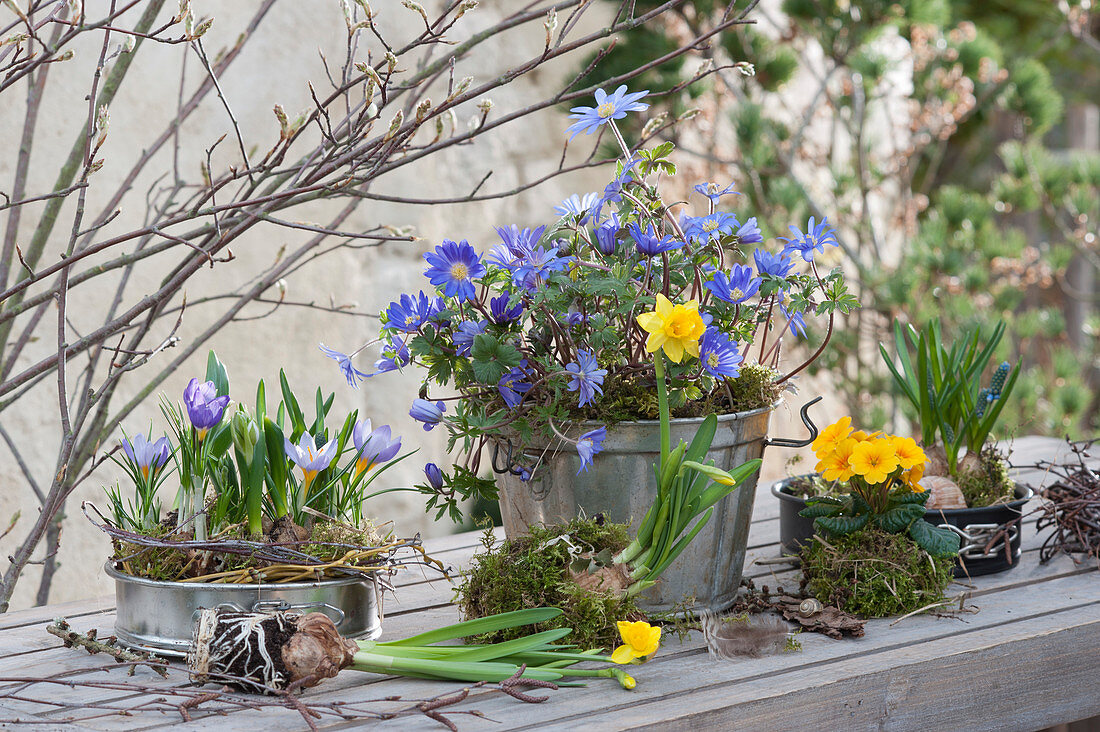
841 525
897 519
934 540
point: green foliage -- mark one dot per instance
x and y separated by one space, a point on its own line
875 573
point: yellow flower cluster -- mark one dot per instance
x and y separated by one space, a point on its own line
876 458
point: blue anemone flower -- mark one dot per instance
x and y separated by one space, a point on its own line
408 314
428 413
606 233
749 233
533 270
352 374
816 237
590 444
580 208
719 355
776 265
454 266
714 192
434 476
649 243
512 386
587 377
394 356
501 313
608 107
711 226
796 321
465 334
613 193
737 287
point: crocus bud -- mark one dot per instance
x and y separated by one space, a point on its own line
246 433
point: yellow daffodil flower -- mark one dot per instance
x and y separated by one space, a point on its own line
640 639
675 328
831 437
874 460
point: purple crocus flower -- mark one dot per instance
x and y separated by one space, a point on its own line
310 458
454 266
737 287
501 313
587 377
749 233
373 447
608 107
815 237
428 413
394 356
580 208
776 265
709 227
606 233
719 355
465 334
589 445
204 407
409 314
352 374
713 191
512 386
649 243
434 476
147 457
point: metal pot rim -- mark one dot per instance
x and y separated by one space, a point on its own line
230 586
682 420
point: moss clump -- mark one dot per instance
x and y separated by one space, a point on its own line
755 388
872 573
533 571
988 483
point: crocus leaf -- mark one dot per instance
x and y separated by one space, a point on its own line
293 410
934 540
215 371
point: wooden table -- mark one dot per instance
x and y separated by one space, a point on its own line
1027 656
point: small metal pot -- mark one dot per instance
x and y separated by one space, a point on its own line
976 527
158 616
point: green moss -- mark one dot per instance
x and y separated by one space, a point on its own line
755 388
533 571
988 484
872 573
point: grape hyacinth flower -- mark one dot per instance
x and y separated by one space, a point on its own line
711 226
578 207
465 334
310 458
589 445
204 407
649 243
714 192
454 266
352 374
428 413
512 386
735 288
409 314
719 355
608 107
147 457
815 237
501 313
394 356
587 377
373 447
434 476
776 265
606 235
749 233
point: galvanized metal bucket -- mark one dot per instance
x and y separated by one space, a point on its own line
158 616
621 485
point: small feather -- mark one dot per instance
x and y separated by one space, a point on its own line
750 638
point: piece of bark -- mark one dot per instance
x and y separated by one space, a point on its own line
605 579
828 621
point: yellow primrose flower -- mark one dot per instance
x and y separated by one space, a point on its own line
676 328
861 436
640 639
874 460
832 436
912 478
908 451
835 466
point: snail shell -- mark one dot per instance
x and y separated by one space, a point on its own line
808 607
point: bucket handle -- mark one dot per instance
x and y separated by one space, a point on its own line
803 413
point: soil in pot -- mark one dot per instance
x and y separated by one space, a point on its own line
872 573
